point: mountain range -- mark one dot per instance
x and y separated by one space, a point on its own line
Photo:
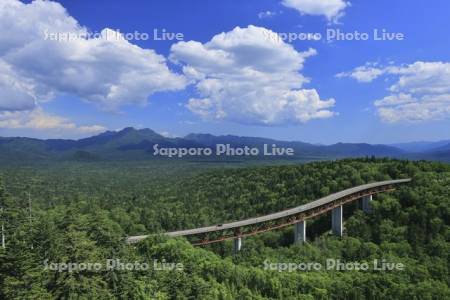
131 144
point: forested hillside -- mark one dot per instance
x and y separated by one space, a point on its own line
81 212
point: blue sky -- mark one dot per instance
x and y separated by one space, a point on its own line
322 91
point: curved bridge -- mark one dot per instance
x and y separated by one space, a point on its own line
295 216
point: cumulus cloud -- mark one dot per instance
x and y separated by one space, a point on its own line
410 108
37 119
247 77
422 78
12 98
366 73
15 93
331 9
421 91
103 70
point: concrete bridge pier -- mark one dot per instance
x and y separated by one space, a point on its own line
336 221
237 245
300 232
366 205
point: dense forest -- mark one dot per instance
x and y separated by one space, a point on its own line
82 212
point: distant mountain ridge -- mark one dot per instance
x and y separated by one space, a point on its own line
131 144
422 146
339 149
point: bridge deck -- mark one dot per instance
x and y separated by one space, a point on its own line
282 214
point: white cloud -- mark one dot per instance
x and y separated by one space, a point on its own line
421 108
332 9
266 14
15 93
247 77
12 99
106 71
421 91
365 73
397 99
422 78
37 119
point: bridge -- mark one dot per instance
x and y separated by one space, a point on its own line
296 216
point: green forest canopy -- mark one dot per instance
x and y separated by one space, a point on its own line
81 212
